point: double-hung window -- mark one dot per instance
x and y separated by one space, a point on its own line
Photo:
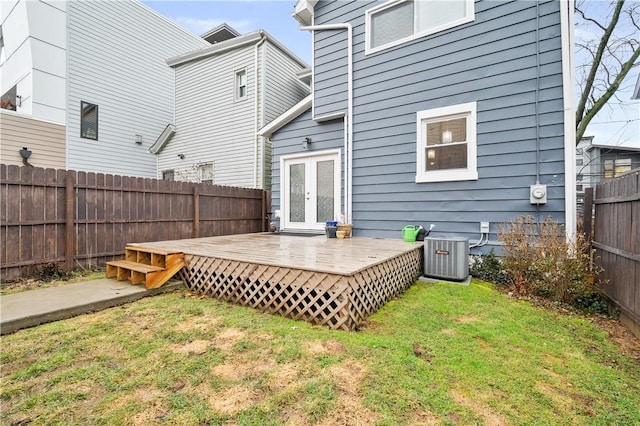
446 144
241 85
88 120
399 21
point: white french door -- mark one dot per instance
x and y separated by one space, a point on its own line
310 192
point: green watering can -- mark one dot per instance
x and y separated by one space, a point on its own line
410 233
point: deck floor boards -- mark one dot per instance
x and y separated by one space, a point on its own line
318 254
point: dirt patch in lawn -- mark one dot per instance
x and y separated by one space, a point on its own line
330 347
479 408
232 400
227 338
197 347
204 323
242 371
348 377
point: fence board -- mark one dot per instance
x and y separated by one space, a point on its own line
616 240
108 212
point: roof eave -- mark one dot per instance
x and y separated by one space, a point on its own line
286 117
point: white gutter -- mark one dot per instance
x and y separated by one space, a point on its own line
256 104
348 143
567 39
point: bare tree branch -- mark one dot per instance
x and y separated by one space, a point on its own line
580 110
610 58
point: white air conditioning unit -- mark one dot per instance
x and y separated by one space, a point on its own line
446 257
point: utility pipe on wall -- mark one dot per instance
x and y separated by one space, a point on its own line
256 104
348 143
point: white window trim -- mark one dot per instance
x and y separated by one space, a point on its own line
236 86
470 16
467 110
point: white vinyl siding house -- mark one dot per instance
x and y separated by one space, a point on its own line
223 95
116 63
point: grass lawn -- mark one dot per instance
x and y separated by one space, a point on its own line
439 354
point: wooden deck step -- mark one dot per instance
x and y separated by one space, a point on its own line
151 267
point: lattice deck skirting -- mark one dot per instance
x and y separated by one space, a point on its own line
338 301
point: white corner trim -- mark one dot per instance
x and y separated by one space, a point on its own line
567 39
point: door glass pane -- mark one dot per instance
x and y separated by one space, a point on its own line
296 193
325 195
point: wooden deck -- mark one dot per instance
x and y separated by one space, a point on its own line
332 282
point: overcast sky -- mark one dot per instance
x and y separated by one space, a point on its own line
617 124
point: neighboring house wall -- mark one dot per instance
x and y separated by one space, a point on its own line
116 60
491 61
34 57
44 139
214 127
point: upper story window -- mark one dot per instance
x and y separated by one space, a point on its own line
241 85
399 21
88 120
446 144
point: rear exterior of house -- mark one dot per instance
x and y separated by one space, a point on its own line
224 94
447 114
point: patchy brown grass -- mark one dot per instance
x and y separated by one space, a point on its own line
176 359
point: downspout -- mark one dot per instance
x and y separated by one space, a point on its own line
256 142
348 143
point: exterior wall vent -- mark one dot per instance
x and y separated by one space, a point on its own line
446 257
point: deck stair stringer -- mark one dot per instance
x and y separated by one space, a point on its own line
144 265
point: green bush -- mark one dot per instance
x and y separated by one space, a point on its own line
489 268
542 262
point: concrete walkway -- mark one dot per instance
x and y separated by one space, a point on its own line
34 307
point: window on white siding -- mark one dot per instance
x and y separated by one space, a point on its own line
88 120
169 175
205 173
446 144
399 21
241 84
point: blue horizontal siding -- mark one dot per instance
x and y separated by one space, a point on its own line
491 61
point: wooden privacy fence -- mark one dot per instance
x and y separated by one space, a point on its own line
81 219
616 240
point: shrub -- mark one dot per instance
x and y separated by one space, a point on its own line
542 262
489 268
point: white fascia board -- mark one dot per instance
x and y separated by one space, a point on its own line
286 117
162 140
217 48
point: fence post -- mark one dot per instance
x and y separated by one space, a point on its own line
587 216
196 211
263 219
70 246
